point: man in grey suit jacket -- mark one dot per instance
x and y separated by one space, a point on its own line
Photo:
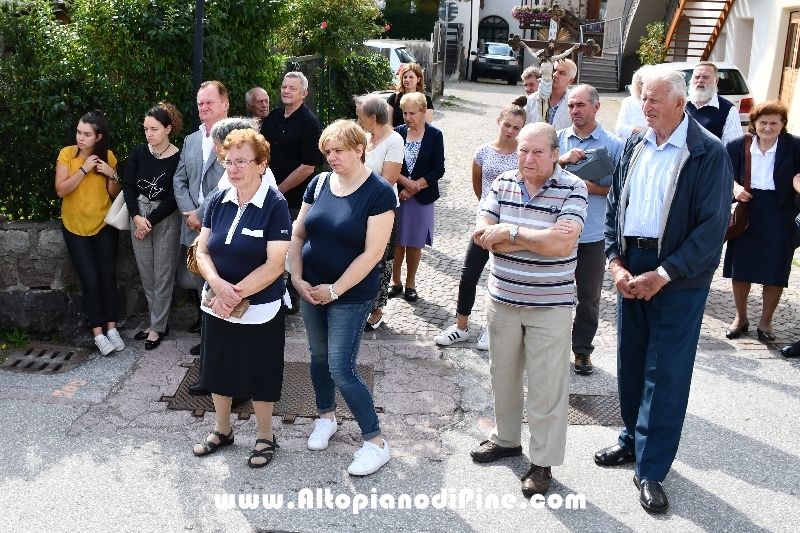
563 75
199 171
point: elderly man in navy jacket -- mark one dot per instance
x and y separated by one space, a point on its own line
667 213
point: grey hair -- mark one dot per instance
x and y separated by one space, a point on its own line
372 104
300 76
222 128
636 83
594 96
248 96
665 74
540 128
531 71
573 68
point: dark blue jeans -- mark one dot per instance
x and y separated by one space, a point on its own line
95 260
334 336
656 348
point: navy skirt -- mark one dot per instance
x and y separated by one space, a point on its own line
763 253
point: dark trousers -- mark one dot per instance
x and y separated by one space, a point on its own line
471 271
656 348
589 274
95 260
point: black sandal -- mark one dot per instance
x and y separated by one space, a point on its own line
209 446
267 453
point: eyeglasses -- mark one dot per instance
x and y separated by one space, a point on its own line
240 163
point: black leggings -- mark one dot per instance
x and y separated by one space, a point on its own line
95 260
474 261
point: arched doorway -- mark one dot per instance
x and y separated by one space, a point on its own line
492 30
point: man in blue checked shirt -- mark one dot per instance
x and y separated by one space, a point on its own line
587 134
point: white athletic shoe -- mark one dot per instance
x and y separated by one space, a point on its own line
451 335
104 344
116 340
369 459
323 430
483 340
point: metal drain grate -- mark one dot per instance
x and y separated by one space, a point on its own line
297 395
591 410
44 359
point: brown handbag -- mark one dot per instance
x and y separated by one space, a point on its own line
238 311
191 258
739 220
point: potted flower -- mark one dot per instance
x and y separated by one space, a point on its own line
529 16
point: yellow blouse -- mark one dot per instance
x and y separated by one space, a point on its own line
83 210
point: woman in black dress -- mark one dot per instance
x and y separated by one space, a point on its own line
763 253
241 254
156 227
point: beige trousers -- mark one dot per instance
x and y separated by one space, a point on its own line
537 339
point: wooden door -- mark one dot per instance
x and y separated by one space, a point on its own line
791 61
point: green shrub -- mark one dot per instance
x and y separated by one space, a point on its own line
121 56
355 75
653 49
403 24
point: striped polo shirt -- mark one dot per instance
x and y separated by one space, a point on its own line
525 278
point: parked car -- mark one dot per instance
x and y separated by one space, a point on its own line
495 60
732 86
397 54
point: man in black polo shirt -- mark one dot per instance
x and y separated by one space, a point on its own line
714 113
293 135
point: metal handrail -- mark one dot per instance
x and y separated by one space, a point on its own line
616 24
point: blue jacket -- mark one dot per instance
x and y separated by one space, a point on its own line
697 206
429 165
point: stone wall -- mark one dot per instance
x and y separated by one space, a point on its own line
39 288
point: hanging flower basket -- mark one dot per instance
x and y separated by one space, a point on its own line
529 17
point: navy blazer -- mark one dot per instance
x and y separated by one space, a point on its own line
787 164
429 165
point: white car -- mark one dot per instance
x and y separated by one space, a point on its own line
397 54
732 86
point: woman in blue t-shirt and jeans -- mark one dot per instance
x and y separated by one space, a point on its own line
338 239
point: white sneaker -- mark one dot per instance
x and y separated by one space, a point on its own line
451 335
323 430
116 340
369 459
483 340
104 344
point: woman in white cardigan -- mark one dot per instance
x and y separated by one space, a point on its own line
631 117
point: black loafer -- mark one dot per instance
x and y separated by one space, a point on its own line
141 335
197 326
195 350
369 326
395 291
793 350
411 295
651 495
614 456
765 336
152 345
197 390
487 451
735 333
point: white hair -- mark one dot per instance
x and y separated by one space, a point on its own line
540 128
665 74
300 76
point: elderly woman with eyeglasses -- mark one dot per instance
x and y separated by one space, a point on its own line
241 253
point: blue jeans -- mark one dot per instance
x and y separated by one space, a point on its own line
334 336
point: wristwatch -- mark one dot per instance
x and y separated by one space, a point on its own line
512 233
663 273
334 296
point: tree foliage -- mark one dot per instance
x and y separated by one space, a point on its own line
405 24
355 75
653 49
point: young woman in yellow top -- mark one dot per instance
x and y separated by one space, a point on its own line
86 180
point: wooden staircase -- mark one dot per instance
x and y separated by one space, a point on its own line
695 29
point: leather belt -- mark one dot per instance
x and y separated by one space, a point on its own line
642 242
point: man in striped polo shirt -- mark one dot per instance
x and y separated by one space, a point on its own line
530 222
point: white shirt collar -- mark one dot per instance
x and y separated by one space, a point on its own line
755 150
258 199
678 137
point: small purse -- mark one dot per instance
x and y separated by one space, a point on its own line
237 312
118 216
739 219
191 258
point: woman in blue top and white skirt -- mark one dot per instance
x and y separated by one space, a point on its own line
338 239
241 255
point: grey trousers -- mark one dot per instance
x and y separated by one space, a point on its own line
157 258
589 274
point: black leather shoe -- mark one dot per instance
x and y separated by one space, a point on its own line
614 456
197 390
152 345
411 295
197 326
195 350
735 333
793 350
141 335
651 495
487 451
765 336
395 291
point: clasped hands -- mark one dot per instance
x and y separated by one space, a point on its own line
410 187
316 295
143 227
644 286
192 221
226 297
